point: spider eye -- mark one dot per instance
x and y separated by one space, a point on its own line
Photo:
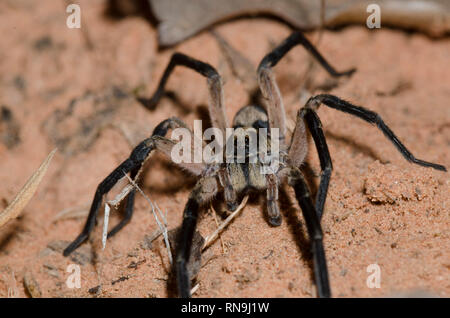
260 124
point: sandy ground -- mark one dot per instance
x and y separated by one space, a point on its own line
56 91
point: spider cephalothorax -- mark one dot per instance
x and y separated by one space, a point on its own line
235 177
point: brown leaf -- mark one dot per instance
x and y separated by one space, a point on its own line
26 193
31 285
180 20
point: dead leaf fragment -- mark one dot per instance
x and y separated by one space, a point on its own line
31 285
26 193
180 20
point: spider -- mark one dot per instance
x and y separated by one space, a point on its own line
236 179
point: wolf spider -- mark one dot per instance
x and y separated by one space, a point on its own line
235 179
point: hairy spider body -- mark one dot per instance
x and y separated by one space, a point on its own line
236 178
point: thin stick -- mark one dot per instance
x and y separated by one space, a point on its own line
72 212
119 197
154 235
127 189
161 226
214 235
164 231
195 288
105 225
217 226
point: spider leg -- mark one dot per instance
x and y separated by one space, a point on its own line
315 128
296 38
129 208
216 100
229 192
204 190
104 187
269 86
273 210
312 220
133 165
371 117
215 86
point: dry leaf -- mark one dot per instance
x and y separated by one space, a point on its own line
181 19
26 193
32 285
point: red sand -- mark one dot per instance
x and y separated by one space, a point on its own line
380 208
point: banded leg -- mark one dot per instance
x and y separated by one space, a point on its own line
312 221
315 128
267 82
137 156
129 208
370 117
204 191
229 192
216 102
273 210
132 165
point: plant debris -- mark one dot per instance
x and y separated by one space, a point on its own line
26 193
31 285
95 290
179 21
135 265
120 279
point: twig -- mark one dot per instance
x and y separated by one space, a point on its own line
195 288
214 235
126 190
72 212
154 235
211 238
105 225
217 225
116 201
161 226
